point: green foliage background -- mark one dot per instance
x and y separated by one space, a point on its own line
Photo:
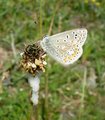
69 95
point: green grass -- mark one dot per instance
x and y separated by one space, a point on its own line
68 96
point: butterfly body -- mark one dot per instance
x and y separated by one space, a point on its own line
65 47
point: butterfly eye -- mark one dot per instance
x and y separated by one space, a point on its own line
46 36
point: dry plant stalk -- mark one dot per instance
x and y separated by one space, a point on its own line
33 62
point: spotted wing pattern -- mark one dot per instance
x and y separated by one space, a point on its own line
65 47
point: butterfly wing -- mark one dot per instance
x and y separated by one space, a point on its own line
65 47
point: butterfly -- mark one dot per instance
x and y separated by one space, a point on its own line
65 47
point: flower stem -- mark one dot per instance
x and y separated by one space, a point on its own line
46 96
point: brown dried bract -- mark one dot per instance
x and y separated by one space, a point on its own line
33 59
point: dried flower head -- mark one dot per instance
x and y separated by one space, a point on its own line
33 59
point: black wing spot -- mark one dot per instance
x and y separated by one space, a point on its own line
64 40
58 46
75 37
67 36
57 40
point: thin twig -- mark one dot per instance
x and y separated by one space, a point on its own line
46 77
40 10
13 45
1 87
83 93
83 87
52 20
35 112
46 96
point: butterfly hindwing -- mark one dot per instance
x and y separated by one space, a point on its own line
65 47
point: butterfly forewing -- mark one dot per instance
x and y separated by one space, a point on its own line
50 49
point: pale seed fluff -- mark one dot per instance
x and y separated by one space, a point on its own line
34 98
34 83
